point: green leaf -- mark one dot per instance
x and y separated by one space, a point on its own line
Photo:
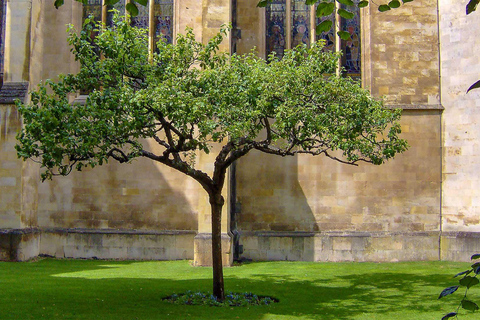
111 2
58 3
262 4
469 281
406 1
448 291
476 85
475 256
346 2
394 4
310 2
344 35
475 265
345 14
132 9
324 26
472 6
449 315
383 8
462 273
325 9
362 4
469 305
142 2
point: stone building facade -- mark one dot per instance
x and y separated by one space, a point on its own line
423 205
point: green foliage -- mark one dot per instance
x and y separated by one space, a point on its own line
191 96
232 299
467 281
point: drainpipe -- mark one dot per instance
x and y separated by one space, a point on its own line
441 135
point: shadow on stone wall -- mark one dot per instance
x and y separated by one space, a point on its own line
141 195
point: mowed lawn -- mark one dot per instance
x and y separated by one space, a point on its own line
96 289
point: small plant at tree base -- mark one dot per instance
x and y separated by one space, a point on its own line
232 299
468 280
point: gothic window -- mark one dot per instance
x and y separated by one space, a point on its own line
163 17
351 59
290 19
276 20
161 20
300 23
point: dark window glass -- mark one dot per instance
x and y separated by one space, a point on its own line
276 23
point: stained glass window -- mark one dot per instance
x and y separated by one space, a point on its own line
93 8
163 15
328 36
351 58
120 6
300 23
141 20
276 22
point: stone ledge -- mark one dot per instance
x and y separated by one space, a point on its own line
303 234
12 91
117 231
460 234
415 106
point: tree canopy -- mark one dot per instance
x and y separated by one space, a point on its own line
191 97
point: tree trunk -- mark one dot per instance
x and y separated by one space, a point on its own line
216 202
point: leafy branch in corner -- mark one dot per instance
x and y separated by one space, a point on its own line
468 280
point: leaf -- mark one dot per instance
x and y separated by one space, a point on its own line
472 6
58 3
448 291
449 315
111 2
362 4
324 26
344 35
325 9
475 265
463 272
469 305
262 4
394 4
142 2
469 281
475 256
310 2
383 8
132 9
476 85
346 2
345 14
406 1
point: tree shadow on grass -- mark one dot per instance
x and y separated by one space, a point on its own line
116 290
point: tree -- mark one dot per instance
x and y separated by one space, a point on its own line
190 97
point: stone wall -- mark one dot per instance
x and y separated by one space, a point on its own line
302 208
404 60
460 67
317 195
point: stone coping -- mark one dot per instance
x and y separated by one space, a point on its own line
363 234
460 234
12 91
96 231
415 106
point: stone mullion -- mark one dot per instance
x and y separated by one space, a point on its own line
151 30
288 27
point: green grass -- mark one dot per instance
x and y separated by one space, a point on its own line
95 289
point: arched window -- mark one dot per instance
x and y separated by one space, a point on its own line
289 23
158 14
